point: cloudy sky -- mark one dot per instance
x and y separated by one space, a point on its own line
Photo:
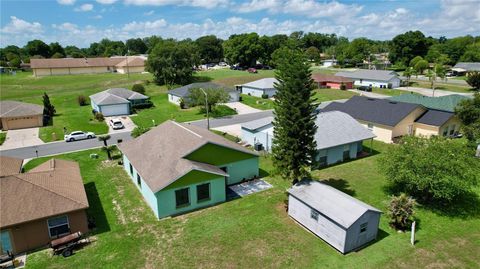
79 22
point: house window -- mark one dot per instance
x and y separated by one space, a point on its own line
58 226
182 197
131 169
203 192
363 227
370 126
445 131
452 131
139 180
314 214
346 152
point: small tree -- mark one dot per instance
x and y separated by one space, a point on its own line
104 139
473 80
408 74
182 103
138 88
48 108
99 116
214 96
343 87
421 66
401 210
108 150
82 100
468 111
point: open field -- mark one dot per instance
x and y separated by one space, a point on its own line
441 86
255 231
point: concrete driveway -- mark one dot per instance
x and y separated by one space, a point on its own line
127 122
21 138
241 108
429 92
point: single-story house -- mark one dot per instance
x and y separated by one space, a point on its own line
375 78
464 68
180 167
339 137
176 95
73 66
264 86
329 62
18 115
116 101
342 221
43 204
332 81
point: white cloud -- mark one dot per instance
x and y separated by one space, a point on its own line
148 26
66 26
258 5
191 3
97 17
19 26
149 13
84 8
66 2
106 2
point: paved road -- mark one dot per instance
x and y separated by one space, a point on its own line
235 119
429 92
62 147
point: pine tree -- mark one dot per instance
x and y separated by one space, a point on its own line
294 124
48 108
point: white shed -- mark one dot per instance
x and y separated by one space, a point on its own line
339 219
260 87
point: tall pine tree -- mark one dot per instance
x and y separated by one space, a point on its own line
294 124
48 108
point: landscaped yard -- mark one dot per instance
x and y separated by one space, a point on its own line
257 102
327 94
254 231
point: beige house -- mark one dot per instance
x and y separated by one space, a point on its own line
131 65
19 115
38 206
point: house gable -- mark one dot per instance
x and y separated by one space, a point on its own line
191 178
217 155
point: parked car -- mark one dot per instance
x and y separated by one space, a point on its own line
79 135
252 70
236 67
116 124
365 88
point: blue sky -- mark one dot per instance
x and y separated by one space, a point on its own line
80 22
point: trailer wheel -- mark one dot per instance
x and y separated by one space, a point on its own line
67 252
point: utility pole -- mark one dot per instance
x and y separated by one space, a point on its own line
206 107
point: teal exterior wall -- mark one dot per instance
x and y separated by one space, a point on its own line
238 171
258 136
335 154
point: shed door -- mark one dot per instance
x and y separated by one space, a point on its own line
114 110
22 122
6 244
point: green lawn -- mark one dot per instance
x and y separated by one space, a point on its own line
254 231
326 94
441 86
257 102
3 135
391 92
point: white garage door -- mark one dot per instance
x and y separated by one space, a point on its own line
115 110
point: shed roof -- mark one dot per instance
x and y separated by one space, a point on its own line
468 66
264 83
330 202
54 187
374 110
435 117
445 103
257 124
185 90
18 109
378 75
330 78
163 149
75 62
116 96
10 166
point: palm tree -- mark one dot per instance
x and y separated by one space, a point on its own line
108 150
104 139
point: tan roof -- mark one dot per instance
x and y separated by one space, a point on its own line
132 62
330 78
74 62
17 109
53 188
10 166
158 155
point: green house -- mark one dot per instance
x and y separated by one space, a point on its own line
180 167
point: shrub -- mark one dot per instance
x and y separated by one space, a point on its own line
99 116
138 131
146 104
82 100
343 87
265 96
182 103
473 80
138 88
401 211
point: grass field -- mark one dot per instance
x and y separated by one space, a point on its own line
441 86
256 102
323 95
254 231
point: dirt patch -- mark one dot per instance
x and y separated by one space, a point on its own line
118 210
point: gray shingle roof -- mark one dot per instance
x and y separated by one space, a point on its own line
378 75
184 90
336 205
374 110
264 83
435 117
257 124
19 109
116 96
468 66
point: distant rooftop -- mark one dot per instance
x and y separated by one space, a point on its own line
445 103
468 66
380 75
184 90
264 83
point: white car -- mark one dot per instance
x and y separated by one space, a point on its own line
116 124
79 135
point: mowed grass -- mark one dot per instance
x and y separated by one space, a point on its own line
441 86
257 102
3 136
254 231
323 95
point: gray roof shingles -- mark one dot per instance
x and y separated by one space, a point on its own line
264 83
19 109
468 66
435 117
185 90
378 75
116 96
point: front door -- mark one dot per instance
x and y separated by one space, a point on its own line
225 169
6 244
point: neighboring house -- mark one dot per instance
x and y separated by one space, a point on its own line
339 219
464 68
264 86
329 62
331 81
18 115
339 137
38 206
73 66
116 101
180 167
175 95
374 78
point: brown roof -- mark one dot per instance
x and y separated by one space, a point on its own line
10 166
53 188
132 62
18 109
74 62
330 78
163 149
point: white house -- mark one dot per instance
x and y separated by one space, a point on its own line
116 101
329 62
176 95
375 78
259 87
339 219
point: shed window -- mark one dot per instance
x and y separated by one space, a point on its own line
139 180
58 226
363 227
131 169
314 214
182 197
203 192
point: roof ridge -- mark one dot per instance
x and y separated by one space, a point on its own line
179 125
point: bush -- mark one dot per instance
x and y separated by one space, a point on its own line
401 211
82 100
265 96
343 87
138 88
146 104
99 116
138 131
183 105
473 80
